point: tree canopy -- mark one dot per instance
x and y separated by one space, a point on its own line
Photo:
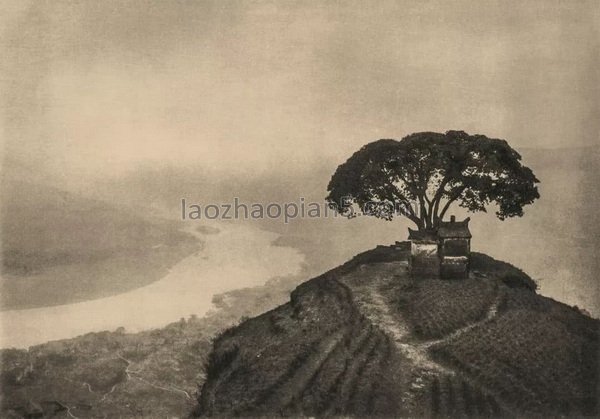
424 174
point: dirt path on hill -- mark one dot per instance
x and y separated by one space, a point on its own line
131 375
374 304
376 309
491 314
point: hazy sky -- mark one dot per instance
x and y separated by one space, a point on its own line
94 88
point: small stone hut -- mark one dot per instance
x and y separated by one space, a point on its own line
424 259
454 248
442 253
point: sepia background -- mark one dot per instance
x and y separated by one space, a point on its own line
114 111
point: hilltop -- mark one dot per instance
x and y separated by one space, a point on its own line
367 339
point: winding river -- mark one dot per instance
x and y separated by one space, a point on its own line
236 256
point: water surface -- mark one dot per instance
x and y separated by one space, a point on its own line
238 256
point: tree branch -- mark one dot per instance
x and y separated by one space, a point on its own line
450 201
438 197
423 211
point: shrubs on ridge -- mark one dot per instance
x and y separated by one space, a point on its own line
512 276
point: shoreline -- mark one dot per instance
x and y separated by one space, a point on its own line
121 272
239 256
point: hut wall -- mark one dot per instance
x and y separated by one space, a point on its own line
455 247
454 267
425 261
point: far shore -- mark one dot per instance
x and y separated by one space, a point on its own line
114 274
237 256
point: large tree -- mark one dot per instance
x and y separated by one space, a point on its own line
424 174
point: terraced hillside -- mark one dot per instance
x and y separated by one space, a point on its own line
366 339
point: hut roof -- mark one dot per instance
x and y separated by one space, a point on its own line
422 235
454 229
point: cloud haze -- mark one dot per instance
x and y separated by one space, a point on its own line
94 89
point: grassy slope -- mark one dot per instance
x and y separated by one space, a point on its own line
538 353
314 355
319 355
